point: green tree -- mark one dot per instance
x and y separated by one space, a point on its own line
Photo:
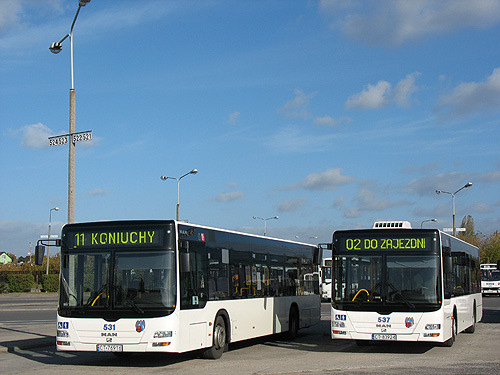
470 235
490 250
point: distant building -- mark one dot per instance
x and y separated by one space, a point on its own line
5 258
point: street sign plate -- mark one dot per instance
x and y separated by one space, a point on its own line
62 139
58 140
82 137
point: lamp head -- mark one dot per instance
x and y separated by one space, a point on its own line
468 184
194 171
82 3
55 47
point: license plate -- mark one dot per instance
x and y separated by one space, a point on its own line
109 348
383 337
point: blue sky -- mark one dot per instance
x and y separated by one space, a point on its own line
328 114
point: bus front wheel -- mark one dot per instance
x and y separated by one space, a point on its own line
454 328
218 341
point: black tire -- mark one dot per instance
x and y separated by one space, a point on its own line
293 324
219 340
449 343
472 328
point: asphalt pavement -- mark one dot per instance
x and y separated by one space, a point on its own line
17 331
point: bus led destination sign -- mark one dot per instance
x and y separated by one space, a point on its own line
116 238
367 243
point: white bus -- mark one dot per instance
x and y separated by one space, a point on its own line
326 279
394 283
490 279
168 286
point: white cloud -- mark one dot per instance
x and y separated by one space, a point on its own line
493 176
394 23
404 89
330 121
15 235
98 192
297 107
339 201
328 180
429 184
229 197
292 205
233 117
36 136
481 208
380 95
293 139
9 14
469 97
367 201
372 97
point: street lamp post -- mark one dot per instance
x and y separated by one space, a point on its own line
48 237
265 222
56 48
425 221
453 202
194 171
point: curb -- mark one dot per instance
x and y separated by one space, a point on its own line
31 344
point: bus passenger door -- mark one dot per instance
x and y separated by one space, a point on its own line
193 274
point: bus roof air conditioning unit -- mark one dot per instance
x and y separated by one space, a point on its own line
392 225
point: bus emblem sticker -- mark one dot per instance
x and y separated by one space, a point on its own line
140 325
409 322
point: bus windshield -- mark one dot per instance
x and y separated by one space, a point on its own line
127 281
386 283
490 275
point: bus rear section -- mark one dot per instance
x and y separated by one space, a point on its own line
394 283
165 286
490 279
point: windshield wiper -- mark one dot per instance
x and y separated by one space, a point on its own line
128 300
398 292
69 292
94 297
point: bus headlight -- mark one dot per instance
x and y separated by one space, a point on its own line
432 326
338 324
156 344
431 334
162 334
61 333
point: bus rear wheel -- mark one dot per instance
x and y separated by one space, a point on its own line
218 341
293 324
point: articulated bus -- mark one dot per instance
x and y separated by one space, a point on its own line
169 286
394 283
326 278
490 279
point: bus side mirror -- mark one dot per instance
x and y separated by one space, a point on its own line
39 254
185 262
448 264
498 265
185 256
316 255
